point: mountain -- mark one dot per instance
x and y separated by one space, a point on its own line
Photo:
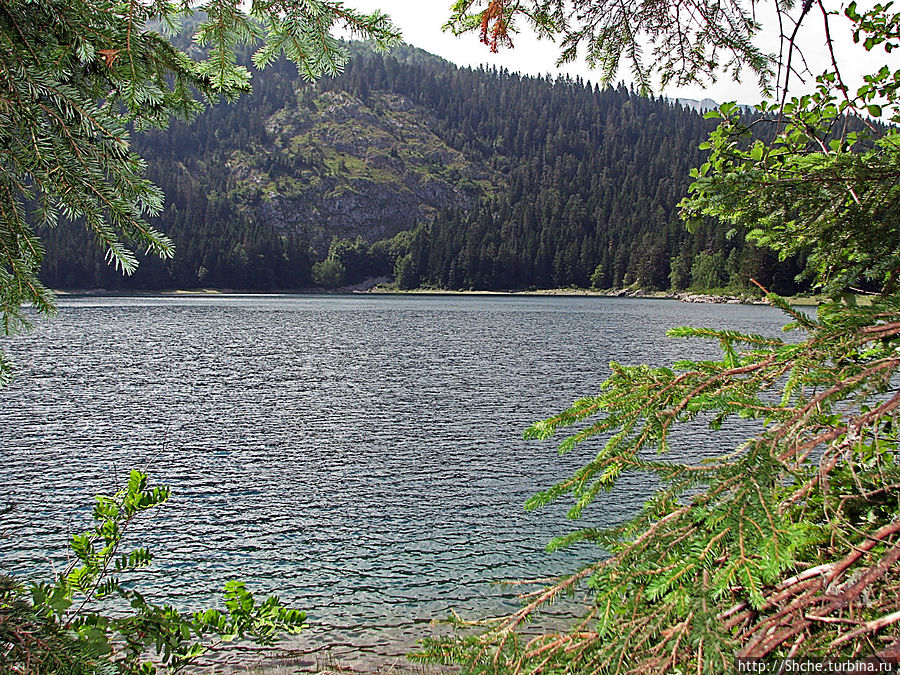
700 106
410 167
333 165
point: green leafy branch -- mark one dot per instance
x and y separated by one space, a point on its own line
88 619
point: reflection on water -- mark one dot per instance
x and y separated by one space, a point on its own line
359 456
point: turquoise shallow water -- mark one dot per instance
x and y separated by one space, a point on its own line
360 456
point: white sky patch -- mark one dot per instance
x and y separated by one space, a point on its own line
421 21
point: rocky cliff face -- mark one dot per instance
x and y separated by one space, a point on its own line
337 166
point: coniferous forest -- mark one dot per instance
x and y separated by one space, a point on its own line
408 167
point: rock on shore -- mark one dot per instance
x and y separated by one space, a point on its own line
706 298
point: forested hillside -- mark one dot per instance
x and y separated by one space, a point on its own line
406 166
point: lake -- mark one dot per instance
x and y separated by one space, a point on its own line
361 456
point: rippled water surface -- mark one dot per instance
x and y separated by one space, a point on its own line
359 456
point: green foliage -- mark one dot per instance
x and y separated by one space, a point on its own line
29 643
598 277
680 273
405 274
329 273
807 189
357 260
708 270
75 75
90 619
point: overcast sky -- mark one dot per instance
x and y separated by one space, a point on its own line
421 21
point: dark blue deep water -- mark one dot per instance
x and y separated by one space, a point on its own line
360 456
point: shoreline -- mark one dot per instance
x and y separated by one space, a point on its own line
693 297
640 294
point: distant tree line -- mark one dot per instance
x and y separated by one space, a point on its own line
590 179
